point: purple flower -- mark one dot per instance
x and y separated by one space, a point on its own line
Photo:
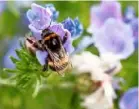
115 37
105 10
55 13
74 27
129 14
130 99
131 19
13 45
40 18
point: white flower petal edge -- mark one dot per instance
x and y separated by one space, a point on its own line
110 61
87 62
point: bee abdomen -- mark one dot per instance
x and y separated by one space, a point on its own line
58 67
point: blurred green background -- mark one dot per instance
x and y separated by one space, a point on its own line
12 24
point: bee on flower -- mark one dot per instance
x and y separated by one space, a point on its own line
51 41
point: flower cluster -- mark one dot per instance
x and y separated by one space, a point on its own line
74 26
93 77
114 37
43 17
131 19
112 32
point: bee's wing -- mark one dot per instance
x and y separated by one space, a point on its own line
57 61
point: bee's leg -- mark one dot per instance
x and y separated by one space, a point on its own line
39 45
32 42
45 67
65 38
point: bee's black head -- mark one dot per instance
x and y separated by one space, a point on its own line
53 43
45 33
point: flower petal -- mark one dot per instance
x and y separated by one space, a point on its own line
130 99
78 26
69 25
41 56
39 18
105 10
111 38
55 13
58 28
129 14
68 44
40 10
36 33
73 26
111 10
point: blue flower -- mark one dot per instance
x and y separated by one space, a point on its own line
115 37
131 19
74 26
129 14
40 18
55 13
130 99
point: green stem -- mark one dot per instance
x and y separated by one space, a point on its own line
37 88
7 82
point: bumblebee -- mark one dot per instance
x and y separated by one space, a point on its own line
58 58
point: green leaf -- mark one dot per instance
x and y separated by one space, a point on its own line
75 101
14 60
10 70
130 71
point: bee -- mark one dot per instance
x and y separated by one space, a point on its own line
58 58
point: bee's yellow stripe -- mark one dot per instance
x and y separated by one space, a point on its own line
63 61
50 36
